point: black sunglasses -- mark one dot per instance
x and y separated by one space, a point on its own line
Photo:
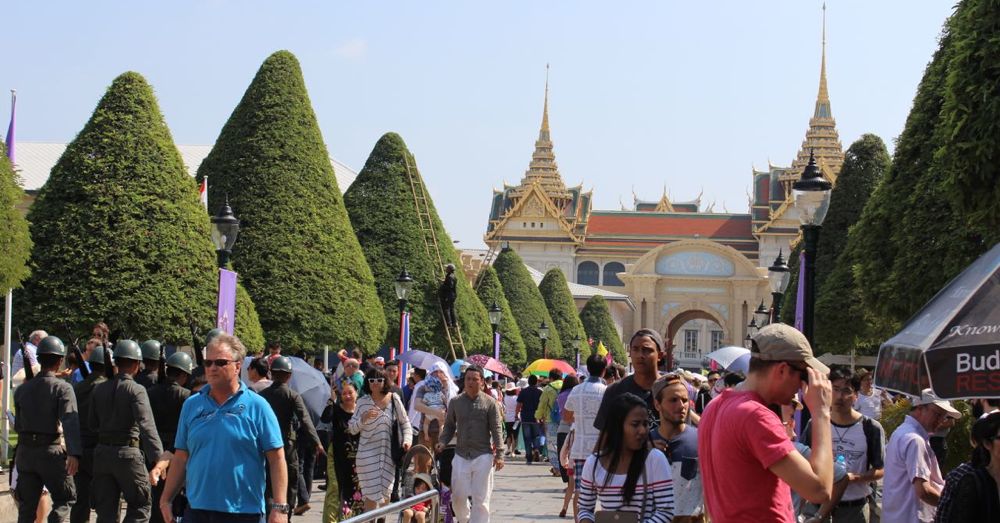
803 372
218 363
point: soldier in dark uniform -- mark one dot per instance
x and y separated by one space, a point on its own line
166 400
42 404
149 375
448 293
88 436
291 412
120 411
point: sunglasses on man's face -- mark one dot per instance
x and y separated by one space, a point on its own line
217 363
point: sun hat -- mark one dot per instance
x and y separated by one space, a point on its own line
509 386
927 397
780 342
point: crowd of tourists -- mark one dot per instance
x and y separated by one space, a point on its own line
204 439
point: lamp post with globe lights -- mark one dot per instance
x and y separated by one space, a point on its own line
543 334
495 315
812 199
778 276
225 229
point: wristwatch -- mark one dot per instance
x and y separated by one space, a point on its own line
281 507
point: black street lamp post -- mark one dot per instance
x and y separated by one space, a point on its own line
812 200
543 334
225 229
403 284
762 314
576 350
778 276
495 314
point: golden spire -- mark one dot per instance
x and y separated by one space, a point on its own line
823 98
545 109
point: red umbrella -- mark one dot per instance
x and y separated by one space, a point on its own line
490 364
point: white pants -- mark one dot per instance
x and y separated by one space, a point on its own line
472 478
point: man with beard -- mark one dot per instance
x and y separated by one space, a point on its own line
679 441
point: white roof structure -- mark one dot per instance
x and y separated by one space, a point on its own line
583 292
36 159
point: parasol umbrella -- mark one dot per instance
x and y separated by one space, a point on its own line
421 359
542 367
952 344
311 384
490 364
731 358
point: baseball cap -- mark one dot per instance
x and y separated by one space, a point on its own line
380 361
927 397
663 381
780 342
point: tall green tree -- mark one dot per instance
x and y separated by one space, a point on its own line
970 150
384 213
840 319
297 253
15 242
247 322
490 291
600 327
562 309
120 234
527 304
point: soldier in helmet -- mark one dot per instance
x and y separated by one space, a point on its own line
120 412
291 412
149 375
88 435
166 400
42 403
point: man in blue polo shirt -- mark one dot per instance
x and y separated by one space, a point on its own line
225 436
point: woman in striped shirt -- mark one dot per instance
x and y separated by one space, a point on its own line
639 480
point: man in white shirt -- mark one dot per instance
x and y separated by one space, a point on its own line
581 409
912 484
870 400
29 348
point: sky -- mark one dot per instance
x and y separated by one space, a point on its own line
642 95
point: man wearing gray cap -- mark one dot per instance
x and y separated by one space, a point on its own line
912 483
743 445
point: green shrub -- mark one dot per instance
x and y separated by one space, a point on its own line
527 305
565 317
512 350
599 326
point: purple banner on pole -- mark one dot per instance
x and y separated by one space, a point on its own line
496 346
800 293
226 317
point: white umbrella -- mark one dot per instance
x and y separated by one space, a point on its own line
732 358
311 385
421 359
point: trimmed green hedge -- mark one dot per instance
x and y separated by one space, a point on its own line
119 233
384 214
565 317
527 304
15 242
296 254
599 326
512 350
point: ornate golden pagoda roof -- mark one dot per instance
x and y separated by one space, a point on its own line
543 168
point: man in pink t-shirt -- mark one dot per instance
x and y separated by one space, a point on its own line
747 461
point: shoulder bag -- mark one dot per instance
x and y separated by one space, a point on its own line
621 516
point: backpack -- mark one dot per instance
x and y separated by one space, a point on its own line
554 413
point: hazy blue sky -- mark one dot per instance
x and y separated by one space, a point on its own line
687 94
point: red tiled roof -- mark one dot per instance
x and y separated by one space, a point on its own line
669 224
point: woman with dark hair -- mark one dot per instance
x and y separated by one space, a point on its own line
622 473
378 418
970 491
561 433
343 491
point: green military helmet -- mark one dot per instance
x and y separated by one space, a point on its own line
212 334
96 355
181 361
150 350
128 350
281 364
51 345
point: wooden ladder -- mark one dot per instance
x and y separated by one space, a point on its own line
433 249
491 255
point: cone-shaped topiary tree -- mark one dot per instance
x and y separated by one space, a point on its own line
840 319
562 309
385 217
15 242
296 252
512 350
527 304
120 235
247 327
599 326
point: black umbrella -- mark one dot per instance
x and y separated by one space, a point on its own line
953 343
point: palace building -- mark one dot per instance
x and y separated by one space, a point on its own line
693 274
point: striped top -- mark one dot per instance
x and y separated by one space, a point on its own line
655 489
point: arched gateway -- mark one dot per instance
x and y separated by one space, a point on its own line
687 281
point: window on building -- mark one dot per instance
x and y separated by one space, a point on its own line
611 271
717 339
587 273
690 343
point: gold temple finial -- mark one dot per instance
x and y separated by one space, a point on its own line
545 109
824 96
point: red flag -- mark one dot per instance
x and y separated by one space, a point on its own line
203 192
